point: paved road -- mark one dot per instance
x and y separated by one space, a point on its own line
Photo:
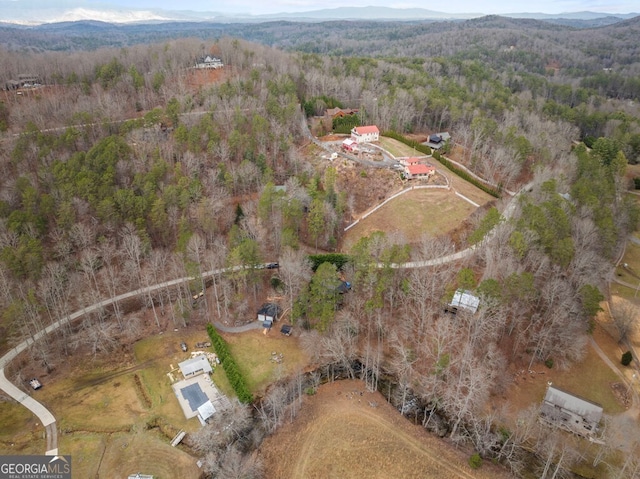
47 418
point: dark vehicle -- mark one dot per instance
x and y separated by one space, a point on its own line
35 384
273 265
183 346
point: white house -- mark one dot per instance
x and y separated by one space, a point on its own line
209 62
194 366
365 134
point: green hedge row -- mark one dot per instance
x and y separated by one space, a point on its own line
450 166
338 260
234 375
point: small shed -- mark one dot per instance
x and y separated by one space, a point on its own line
349 145
268 312
194 366
463 299
205 411
286 329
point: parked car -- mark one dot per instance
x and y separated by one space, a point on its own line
183 346
273 265
35 384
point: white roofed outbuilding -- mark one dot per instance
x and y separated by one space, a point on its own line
194 366
463 299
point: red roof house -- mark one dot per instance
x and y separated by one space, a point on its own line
418 171
365 134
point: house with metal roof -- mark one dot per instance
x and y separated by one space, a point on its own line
463 299
437 140
570 412
194 366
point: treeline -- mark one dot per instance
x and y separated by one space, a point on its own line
235 377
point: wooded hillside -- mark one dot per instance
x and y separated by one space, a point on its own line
125 167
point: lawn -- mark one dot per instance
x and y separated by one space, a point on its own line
107 417
414 214
253 350
590 379
397 148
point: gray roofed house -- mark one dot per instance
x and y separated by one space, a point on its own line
437 140
194 366
570 412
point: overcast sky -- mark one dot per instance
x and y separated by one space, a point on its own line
279 6
451 6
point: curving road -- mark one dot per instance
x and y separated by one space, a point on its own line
46 417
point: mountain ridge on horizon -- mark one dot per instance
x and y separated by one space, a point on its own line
121 15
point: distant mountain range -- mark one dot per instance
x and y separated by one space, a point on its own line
18 13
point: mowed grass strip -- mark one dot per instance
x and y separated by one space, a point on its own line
252 353
414 214
397 148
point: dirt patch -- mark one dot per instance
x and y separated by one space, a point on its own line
198 78
622 393
345 431
365 187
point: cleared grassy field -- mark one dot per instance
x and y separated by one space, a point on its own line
397 148
346 432
414 214
252 352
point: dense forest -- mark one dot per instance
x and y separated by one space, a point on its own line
122 171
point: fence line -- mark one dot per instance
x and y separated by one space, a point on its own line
395 195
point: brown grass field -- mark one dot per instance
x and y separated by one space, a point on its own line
338 434
414 214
